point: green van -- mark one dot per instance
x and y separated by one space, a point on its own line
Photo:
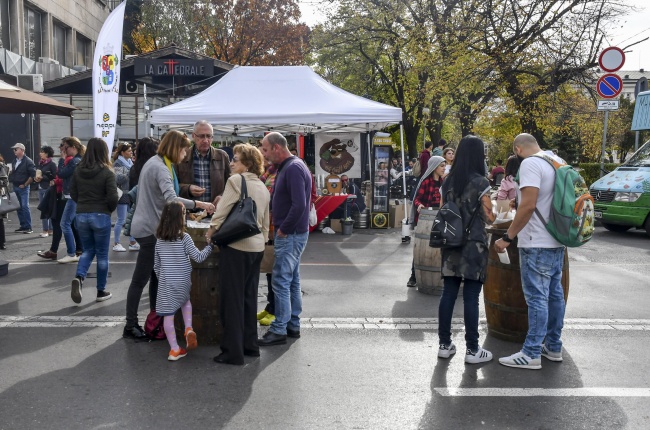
622 197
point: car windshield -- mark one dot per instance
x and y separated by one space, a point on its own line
641 158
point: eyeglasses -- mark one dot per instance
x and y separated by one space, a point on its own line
234 159
203 136
16 149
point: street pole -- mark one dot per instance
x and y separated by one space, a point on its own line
636 141
602 158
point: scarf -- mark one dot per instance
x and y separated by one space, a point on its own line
172 172
128 163
44 162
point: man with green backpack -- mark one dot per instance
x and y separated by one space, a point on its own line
555 210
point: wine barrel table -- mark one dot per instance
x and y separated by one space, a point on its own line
505 306
427 260
205 294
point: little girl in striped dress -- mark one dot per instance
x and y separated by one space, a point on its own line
172 265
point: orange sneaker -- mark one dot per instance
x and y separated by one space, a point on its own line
190 338
177 354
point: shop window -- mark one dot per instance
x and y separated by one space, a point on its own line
32 34
58 44
4 24
84 52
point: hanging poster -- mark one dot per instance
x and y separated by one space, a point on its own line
338 154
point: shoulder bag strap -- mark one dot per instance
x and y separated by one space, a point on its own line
244 190
476 209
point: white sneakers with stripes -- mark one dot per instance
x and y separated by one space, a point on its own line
522 361
480 356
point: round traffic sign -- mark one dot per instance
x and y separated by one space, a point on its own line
611 59
609 86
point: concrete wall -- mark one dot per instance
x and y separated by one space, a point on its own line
85 16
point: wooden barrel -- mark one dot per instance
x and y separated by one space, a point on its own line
505 306
426 259
205 295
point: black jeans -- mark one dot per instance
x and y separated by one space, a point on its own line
2 231
142 274
239 285
270 306
56 228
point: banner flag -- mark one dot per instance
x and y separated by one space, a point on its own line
106 76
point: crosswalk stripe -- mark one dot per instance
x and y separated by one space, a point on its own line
544 392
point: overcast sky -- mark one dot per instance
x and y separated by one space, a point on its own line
635 27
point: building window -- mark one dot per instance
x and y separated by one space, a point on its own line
32 34
4 24
58 44
84 52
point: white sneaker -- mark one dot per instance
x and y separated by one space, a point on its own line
446 351
134 247
553 356
521 361
480 356
68 259
119 248
44 234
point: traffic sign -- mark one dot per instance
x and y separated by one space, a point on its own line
607 104
609 86
611 59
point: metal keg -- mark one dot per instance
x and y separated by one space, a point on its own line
361 219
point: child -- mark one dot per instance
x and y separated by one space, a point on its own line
174 249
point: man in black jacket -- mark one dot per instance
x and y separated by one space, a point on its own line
22 175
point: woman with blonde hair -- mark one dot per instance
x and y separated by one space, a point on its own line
242 258
158 185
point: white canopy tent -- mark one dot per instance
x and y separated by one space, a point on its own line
289 99
279 98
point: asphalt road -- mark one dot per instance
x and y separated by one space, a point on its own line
366 358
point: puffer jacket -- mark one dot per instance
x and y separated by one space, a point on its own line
122 180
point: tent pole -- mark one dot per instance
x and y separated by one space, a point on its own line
406 229
369 154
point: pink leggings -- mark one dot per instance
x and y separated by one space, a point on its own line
168 324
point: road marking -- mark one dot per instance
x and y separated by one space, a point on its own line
544 392
388 323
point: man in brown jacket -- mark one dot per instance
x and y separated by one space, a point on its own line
203 173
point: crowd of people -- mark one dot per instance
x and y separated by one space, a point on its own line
154 187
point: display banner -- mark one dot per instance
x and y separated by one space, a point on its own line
338 154
106 75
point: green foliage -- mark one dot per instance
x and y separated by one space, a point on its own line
590 171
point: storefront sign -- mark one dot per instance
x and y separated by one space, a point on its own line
338 154
173 67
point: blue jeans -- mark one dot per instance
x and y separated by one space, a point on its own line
24 216
471 291
286 282
67 219
47 223
541 276
95 233
122 210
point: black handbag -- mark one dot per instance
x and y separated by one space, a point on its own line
8 203
241 222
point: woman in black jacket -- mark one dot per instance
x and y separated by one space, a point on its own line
45 179
94 190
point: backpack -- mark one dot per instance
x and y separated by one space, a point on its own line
416 169
571 221
447 230
153 326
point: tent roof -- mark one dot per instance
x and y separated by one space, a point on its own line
280 98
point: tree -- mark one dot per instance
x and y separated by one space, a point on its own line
242 32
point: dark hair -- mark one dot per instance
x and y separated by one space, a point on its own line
512 166
48 151
96 154
499 161
428 144
468 163
147 148
119 149
442 142
172 225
